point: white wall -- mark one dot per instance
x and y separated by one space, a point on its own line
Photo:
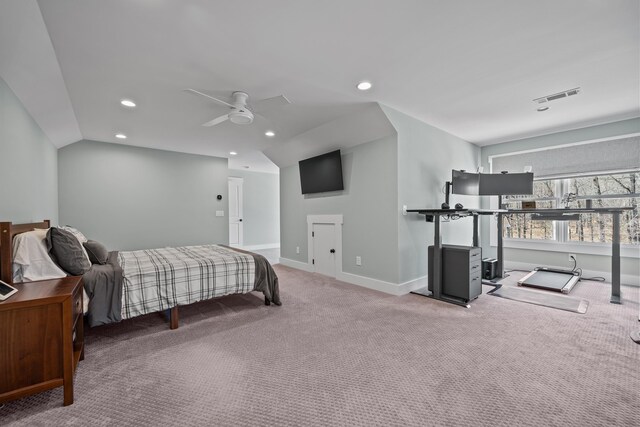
426 156
556 255
367 204
28 165
138 198
261 207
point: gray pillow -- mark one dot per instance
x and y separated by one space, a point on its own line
66 251
97 252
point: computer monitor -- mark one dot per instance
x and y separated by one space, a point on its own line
465 183
505 184
491 184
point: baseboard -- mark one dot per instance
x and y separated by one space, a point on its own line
366 282
296 264
412 285
625 279
263 246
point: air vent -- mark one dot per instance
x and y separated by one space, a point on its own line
558 95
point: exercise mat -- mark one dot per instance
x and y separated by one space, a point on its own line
560 302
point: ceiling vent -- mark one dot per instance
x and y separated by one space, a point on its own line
558 95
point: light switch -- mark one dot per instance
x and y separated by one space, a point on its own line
219 213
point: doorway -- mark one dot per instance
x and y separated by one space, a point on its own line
324 237
324 251
235 211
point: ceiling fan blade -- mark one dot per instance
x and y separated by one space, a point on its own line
265 104
216 121
210 97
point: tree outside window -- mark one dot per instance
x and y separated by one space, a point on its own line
613 190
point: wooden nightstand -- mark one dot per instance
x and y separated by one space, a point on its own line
41 338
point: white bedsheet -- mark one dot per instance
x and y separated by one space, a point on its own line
31 260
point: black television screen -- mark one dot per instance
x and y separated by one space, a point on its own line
321 173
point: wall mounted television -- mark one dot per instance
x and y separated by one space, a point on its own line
321 173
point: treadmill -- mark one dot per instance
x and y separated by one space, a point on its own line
551 279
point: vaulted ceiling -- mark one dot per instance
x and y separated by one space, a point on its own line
471 68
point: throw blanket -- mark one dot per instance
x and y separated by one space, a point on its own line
103 284
266 279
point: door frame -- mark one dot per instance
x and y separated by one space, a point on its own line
336 220
241 203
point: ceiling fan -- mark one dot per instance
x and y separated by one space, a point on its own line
242 113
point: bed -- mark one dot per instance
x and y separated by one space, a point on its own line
134 283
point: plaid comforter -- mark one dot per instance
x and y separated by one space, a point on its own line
159 279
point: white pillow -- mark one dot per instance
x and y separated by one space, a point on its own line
81 238
31 260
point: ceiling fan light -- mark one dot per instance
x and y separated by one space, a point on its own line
241 117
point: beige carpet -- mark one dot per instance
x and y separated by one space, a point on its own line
338 354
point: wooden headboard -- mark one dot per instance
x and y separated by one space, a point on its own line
7 232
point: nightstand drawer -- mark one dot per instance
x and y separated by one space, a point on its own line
77 304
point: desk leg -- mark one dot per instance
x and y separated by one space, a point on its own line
500 249
437 259
615 260
476 239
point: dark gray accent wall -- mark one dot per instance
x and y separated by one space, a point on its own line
138 198
261 207
28 165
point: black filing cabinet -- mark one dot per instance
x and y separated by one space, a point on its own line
461 271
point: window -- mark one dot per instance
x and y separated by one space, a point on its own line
613 190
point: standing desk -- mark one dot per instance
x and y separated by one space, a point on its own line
556 214
434 215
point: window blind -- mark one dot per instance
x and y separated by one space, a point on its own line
596 157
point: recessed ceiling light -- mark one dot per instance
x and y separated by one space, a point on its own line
364 85
121 136
128 103
246 167
233 153
541 109
270 133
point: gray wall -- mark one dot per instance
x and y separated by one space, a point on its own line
368 205
261 207
629 266
426 156
138 198
28 165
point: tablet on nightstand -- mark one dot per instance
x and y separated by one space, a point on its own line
6 290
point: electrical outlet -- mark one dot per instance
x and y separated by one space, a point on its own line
297 249
573 257
358 260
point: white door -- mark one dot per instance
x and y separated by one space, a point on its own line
235 211
324 250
